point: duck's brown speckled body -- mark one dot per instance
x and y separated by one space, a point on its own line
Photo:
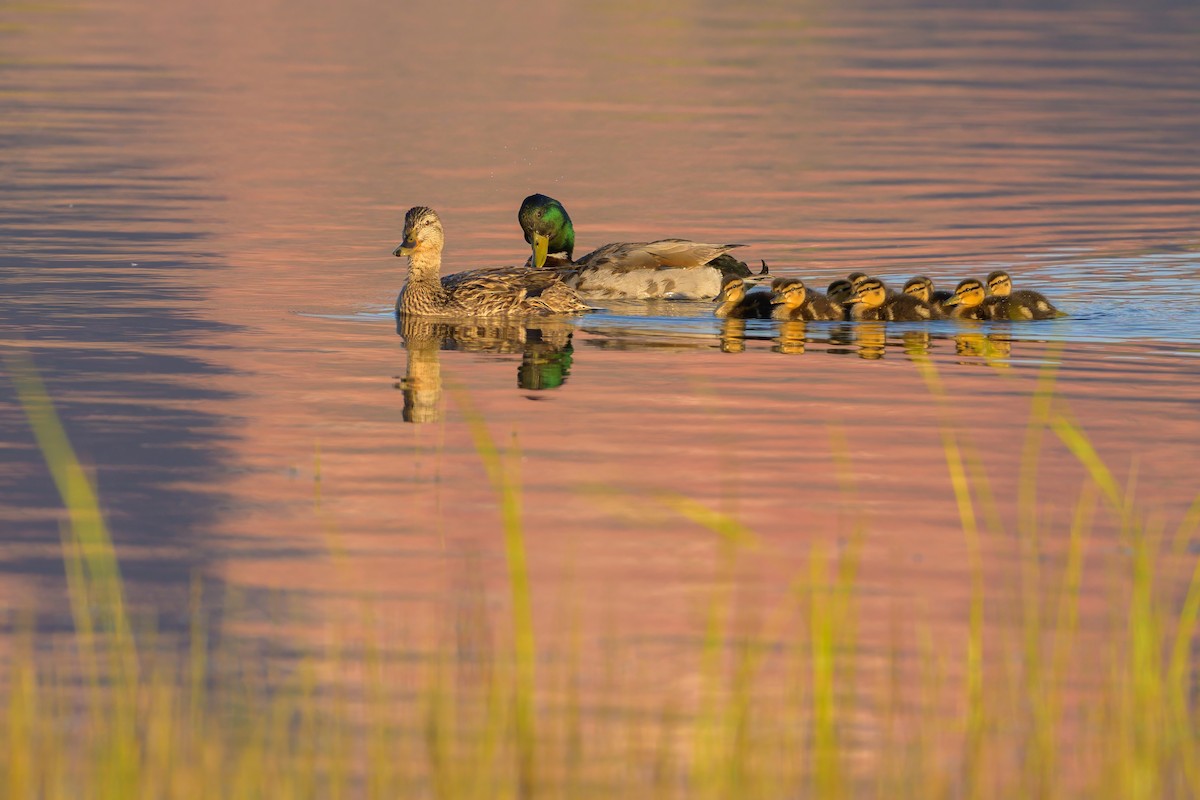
499 292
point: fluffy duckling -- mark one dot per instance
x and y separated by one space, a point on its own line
871 302
504 291
793 300
1022 303
858 278
734 302
922 287
667 268
839 293
970 301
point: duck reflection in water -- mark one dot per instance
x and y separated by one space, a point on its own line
916 343
733 335
544 344
792 337
994 348
868 340
871 339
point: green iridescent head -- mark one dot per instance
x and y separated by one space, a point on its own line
547 228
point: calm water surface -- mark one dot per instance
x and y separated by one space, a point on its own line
197 210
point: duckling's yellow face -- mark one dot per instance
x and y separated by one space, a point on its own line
999 284
791 292
857 279
870 293
733 291
920 287
840 292
422 229
968 294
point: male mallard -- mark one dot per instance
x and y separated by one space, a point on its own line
872 302
970 301
503 291
667 268
793 300
1023 303
922 287
734 302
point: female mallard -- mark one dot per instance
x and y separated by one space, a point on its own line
667 268
922 287
872 302
499 292
793 300
734 302
1023 303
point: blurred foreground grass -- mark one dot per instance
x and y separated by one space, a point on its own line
1060 712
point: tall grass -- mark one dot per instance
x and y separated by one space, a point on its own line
786 704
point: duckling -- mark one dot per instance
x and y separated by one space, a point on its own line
871 302
792 300
971 302
776 285
667 268
839 293
1023 303
922 287
734 302
504 291
856 280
